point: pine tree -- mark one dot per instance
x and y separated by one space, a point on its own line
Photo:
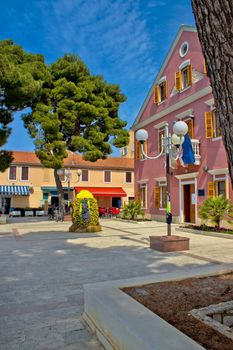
21 78
77 112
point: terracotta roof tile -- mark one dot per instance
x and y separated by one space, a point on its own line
76 161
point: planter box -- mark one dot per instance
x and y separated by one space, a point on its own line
28 212
68 217
39 212
3 219
121 323
169 243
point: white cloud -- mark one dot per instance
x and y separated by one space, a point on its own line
101 31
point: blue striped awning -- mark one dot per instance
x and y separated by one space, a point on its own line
14 190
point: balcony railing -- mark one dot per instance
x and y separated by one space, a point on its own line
196 151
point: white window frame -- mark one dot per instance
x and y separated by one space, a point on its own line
107 182
25 166
88 176
126 176
218 180
221 175
181 47
144 185
213 110
159 127
15 173
182 66
186 114
159 83
161 182
124 151
161 197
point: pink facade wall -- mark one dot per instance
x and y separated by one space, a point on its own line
212 151
197 60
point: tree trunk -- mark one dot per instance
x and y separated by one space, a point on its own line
59 190
214 25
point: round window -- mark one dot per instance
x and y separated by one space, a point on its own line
184 49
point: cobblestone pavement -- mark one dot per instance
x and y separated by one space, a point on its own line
43 269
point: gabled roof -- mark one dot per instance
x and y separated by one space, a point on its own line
183 28
76 161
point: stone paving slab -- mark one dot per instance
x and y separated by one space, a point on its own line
43 269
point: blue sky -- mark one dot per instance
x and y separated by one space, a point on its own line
123 40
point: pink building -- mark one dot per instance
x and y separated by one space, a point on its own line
181 91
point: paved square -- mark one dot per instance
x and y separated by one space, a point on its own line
43 269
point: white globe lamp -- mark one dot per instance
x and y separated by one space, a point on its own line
177 140
180 128
67 173
141 135
59 172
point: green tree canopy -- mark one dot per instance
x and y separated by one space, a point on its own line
21 78
75 111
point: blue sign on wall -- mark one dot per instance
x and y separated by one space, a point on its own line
201 192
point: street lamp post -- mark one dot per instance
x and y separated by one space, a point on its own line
180 128
68 178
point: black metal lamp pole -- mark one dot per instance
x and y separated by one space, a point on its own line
168 177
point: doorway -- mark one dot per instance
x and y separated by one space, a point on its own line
189 203
116 202
55 201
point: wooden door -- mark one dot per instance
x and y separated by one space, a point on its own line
189 205
186 191
192 203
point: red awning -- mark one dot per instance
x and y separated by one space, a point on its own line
103 191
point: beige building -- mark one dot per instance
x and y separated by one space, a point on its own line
27 184
128 151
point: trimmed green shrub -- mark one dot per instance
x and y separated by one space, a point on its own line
132 210
216 209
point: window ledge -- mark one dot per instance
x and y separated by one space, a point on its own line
216 138
185 89
162 209
161 102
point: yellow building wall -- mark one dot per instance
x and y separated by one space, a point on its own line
129 147
42 177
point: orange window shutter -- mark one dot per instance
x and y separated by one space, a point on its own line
204 67
166 89
178 80
190 76
190 128
138 150
211 189
144 148
209 129
157 197
138 195
156 94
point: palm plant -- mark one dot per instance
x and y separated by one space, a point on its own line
216 209
132 210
